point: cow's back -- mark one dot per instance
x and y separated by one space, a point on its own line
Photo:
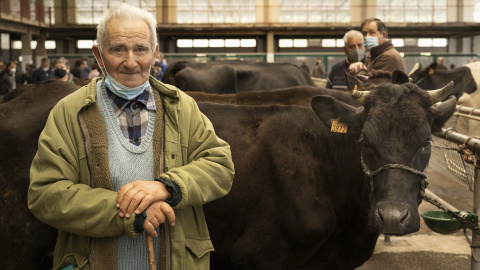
234 76
297 95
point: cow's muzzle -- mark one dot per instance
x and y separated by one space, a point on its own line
395 219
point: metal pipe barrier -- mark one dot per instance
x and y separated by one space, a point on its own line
472 144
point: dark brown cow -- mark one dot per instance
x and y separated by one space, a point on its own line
466 79
228 77
26 242
301 199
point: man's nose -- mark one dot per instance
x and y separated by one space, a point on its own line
130 60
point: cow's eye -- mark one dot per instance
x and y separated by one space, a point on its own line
427 144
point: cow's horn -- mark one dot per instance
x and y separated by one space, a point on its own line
440 94
360 96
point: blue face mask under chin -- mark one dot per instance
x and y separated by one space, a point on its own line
123 91
370 42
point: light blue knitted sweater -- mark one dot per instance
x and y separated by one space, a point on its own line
128 162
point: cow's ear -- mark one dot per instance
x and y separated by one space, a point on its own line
398 77
352 81
332 112
442 111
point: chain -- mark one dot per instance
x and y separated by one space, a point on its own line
458 217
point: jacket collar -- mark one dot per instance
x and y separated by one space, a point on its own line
377 50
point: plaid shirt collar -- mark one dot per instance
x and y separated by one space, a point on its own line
120 104
132 115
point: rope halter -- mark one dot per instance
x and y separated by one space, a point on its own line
371 175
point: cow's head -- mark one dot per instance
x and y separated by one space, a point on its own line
395 128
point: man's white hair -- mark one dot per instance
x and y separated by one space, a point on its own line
126 12
351 34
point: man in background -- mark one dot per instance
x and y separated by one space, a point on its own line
7 78
382 54
44 72
440 64
355 52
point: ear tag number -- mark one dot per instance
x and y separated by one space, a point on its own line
338 127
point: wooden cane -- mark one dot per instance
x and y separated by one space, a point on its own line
151 253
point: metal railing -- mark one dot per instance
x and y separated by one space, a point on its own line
457 155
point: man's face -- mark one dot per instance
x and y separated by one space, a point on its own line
127 54
371 30
353 44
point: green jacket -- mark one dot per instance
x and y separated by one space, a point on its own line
70 187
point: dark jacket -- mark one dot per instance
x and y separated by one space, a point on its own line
39 75
336 77
385 57
6 83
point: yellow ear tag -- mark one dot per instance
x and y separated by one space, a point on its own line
431 71
355 88
338 127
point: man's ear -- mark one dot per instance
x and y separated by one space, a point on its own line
96 53
155 54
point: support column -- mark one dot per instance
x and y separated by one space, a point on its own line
270 47
26 53
41 51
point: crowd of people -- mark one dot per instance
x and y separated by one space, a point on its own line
12 76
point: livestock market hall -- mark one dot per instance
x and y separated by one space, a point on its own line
354 125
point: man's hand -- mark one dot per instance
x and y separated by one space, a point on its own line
356 67
158 213
138 195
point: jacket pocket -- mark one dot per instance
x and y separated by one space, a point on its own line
78 261
198 254
199 247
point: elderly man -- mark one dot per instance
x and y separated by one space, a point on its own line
117 156
355 51
382 54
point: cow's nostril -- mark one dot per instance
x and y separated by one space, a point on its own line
404 217
379 214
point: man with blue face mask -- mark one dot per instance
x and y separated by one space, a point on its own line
126 156
355 52
44 72
382 54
